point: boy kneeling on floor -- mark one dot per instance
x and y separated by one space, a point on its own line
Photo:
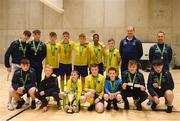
94 88
73 95
48 87
23 82
160 84
133 85
112 89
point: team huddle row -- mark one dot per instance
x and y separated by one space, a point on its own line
81 87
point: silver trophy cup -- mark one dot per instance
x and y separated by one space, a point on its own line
70 95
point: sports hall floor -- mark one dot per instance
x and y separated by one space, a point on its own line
27 114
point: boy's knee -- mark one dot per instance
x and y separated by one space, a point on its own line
31 91
61 95
118 97
156 100
106 97
82 99
89 95
168 93
99 107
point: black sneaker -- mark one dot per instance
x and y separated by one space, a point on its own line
20 103
91 107
139 106
126 105
115 106
33 104
169 109
153 107
108 106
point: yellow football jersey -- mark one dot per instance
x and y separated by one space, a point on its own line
81 53
66 52
76 87
112 59
52 54
96 83
96 54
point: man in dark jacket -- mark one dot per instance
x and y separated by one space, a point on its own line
161 51
48 87
130 48
22 83
160 84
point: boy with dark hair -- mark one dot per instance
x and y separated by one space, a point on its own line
52 55
94 88
133 85
36 52
96 52
160 84
23 82
112 89
48 87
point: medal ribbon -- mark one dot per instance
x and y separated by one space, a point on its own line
162 52
23 49
26 78
36 48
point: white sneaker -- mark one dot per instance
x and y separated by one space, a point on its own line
27 101
10 106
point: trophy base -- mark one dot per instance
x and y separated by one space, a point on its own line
70 111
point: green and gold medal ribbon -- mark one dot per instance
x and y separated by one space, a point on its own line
112 84
159 80
23 49
81 49
162 52
129 76
65 45
53 49
110 56
36 48
95 81
26 78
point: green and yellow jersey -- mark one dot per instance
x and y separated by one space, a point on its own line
75 87
66 52
96 54
81 53
96 83
52 54
112 59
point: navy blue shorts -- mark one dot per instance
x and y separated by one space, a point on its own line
65 69
101 68
56 71
160 93
83 70
101 100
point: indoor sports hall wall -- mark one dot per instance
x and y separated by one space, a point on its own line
109 18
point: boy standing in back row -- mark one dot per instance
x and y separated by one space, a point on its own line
65 66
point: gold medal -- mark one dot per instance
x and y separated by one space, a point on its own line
132 88
159 87
162 57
